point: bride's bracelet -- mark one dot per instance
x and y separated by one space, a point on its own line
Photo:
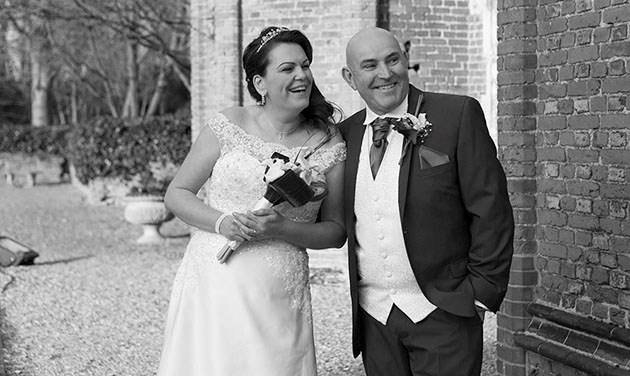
217 224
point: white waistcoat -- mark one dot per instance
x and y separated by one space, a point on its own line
385 274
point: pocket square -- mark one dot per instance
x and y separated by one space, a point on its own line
431 157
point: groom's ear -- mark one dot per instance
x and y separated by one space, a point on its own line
346 73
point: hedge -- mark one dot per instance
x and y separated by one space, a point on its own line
33 140
145 153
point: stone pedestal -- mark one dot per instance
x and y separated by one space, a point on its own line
150 213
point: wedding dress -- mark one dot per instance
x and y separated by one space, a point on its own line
251 315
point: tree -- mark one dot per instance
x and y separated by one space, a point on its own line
158 26
13 107
33 29
41 72
118 57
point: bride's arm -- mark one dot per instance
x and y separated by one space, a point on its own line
330 232
181 195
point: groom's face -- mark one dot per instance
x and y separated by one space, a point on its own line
377 69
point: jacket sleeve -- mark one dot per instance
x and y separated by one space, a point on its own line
483 189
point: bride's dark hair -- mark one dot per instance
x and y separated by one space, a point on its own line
320 113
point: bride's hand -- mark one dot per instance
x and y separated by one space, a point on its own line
231 229
260 224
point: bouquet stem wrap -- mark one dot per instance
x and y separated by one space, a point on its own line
227 249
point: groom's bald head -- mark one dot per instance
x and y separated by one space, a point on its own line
377 68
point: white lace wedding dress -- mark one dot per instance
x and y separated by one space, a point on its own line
251 315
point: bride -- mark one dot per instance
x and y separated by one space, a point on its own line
252 314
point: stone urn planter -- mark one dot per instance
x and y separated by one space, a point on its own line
149 212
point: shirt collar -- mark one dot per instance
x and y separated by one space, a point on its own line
396 112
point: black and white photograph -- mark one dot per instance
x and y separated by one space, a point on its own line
314 188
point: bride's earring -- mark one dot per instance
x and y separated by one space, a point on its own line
260 88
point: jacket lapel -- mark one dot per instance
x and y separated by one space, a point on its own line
414 103
354 140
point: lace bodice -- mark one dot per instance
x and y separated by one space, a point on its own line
236 183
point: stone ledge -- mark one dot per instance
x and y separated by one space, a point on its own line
579 342
581 323
26 170
567 356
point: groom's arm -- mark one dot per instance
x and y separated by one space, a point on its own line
483 188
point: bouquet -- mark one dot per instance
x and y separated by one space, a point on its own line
294 182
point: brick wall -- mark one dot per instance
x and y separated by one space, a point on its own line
454 43
583 157
214 59
563 129
516 123
215 53
328 24
450 41
440 33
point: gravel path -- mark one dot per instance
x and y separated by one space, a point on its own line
95 302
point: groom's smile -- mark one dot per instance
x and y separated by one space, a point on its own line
377 69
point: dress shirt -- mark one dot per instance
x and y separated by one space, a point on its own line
398 112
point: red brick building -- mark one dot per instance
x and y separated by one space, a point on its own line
553 78
453 43
564 126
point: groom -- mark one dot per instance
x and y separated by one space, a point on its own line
428 218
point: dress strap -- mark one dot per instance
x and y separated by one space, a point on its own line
223 129
328 158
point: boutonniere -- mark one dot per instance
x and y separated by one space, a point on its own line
415 129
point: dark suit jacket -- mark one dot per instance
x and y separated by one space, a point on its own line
456 217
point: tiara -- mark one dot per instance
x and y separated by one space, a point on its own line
269 36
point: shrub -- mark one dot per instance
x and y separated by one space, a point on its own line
33 140
14 105
144 154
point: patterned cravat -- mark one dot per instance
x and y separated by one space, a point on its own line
380 129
